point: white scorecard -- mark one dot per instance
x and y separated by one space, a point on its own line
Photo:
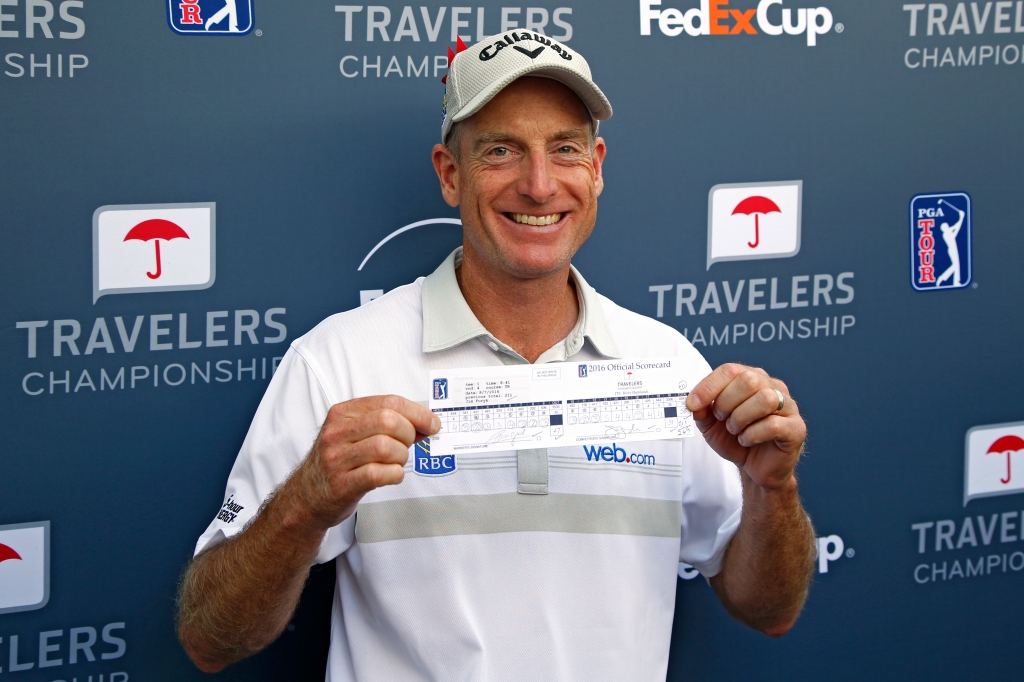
485 409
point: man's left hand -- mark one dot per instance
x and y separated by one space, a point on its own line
737 409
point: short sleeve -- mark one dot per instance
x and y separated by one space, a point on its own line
712 507
285 426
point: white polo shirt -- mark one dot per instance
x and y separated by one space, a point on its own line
463 577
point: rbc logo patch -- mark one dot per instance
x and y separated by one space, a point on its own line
940 241
223 17
429 465
440 389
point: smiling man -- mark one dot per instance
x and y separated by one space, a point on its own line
521 565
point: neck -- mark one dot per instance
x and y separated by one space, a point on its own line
529 315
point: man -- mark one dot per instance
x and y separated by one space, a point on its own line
520 565
949 234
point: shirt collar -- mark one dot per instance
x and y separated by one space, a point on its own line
448 320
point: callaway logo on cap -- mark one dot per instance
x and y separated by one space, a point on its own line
476 74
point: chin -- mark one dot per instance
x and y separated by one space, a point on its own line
535 261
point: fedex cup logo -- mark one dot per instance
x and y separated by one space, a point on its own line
756 220
153 247
24 566
210 17
994 461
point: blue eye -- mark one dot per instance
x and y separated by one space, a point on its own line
500 151
565 150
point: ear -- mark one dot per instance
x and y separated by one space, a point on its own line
447 169
598 160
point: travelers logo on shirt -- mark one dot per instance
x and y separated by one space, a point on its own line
430 465
940 241
24 566
440 389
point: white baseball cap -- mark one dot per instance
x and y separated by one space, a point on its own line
478 73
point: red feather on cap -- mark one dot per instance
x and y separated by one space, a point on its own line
459 47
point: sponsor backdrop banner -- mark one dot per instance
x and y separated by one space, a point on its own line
830 192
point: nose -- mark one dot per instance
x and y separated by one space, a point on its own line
536 180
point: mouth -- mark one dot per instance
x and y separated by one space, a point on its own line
525 219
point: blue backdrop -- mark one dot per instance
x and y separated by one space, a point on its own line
313 141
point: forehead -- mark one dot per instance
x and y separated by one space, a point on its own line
532 103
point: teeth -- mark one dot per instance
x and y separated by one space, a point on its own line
525 219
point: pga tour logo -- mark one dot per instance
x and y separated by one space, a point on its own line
751 221
994 461
440 389
153 247
223 17
940 241
24 566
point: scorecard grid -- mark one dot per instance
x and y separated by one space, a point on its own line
504 416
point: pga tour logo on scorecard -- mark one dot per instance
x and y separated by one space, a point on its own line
24 566
755 220
153 247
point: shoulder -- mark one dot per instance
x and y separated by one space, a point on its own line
641 336
393 321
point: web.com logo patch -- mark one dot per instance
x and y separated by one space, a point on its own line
210 17
615 453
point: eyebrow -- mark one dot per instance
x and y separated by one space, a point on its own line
486 138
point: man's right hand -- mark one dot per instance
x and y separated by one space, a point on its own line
363 444
238 596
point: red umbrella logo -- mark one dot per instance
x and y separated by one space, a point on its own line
8 553
756 205
1008 445
156 229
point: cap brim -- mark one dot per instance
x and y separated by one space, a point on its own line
596 102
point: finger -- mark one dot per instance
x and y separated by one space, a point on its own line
375 475
377 449
724 443
423 420
758 406
743 387
788 433
382 422
707 391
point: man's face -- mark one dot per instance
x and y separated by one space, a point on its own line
527 179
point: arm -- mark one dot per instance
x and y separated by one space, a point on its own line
237 597
769 563
956 228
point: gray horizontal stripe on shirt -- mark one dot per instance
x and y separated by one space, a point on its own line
429 517
620 469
